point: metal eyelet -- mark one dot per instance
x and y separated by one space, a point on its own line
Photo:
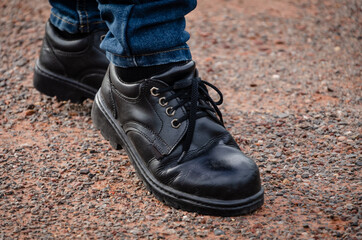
162 102
170 112
102 37
175 123
153 91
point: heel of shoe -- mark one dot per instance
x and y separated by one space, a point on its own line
102 122
64 89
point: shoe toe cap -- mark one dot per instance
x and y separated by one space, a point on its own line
222 173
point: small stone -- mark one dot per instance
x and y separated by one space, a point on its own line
219 232
286 181
337 49
169 232
72 113
84 171
29 112
253 85
283 115
354 221
91 175
21 62
342 138
268 169
30 106
135 231
278 155
305 175
259 143
275 76
330 89
349 206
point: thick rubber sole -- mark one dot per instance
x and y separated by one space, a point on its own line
106 123
62 87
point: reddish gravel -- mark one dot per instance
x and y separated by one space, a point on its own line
290 72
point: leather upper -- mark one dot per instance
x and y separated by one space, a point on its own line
79 59
213 167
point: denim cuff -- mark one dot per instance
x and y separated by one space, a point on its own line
174 55
72 26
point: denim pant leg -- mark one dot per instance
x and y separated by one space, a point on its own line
76 16
146 32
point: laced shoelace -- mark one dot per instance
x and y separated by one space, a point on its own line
194 96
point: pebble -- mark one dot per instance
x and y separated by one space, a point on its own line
219 232
185 218
305 175
29 112
342 138
21 62
286 181
354 221
275 76
283 115
135 231
84 171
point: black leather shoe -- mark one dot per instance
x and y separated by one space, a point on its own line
174 135
71 69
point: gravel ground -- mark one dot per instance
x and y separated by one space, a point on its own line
291 75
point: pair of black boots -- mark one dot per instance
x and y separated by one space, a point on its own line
171 129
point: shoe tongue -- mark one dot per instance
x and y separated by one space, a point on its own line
178 72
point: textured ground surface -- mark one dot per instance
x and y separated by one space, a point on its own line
291 75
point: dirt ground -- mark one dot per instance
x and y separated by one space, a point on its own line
290 72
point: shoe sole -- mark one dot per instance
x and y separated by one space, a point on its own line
104 121
62 87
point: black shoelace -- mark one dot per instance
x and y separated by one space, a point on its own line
194 96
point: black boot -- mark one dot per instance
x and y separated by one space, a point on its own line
70 67
173 133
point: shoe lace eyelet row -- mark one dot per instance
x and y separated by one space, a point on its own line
169 111
194 97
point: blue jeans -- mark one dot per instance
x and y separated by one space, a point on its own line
141 32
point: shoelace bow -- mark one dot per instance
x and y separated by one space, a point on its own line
194 96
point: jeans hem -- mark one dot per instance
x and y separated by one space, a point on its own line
70 26
151 59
